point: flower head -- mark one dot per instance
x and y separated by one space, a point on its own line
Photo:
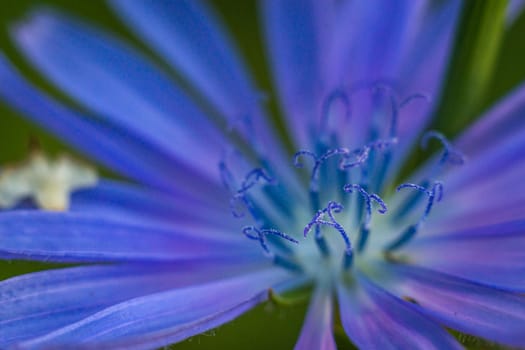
222 214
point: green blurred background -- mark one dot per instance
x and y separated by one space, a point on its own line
268 326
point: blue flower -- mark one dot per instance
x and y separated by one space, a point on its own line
222 213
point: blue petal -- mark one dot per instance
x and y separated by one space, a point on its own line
119 150
197 45
375 319
492 255
373 37
317 329
461 304
133 204
294 33
188 35
164 318
120 85
38 303
80 237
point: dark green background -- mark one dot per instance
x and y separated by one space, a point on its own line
269 326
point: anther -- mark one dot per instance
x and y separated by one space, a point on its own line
326 217
250 180
450 154
362 154
336 95
318 161
434 194
256 234
368 198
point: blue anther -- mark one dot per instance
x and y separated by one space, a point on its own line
359 156
434 194
250 180
450 154
253 178
368 199
318 161
256 234
226 176
326 217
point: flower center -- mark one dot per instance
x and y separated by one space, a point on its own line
342 220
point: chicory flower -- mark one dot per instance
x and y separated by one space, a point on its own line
221 213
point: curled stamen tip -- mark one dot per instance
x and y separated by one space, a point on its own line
437 189
433 134
413 97
335 207
247 231
296 158
410 185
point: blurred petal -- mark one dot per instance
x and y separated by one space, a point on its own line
37 303
114 147
317 329
295 31
164 318
372 38
501 122
469 307
514 10
374 319
129 203
486 190
118 84
197 45
80 237
189 36
492 255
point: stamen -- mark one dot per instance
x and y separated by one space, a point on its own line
226 176
259 235
362 154
337 94
393 131
250 180
435 194
365 225
450 154
318 161
314 185
320 219
253 178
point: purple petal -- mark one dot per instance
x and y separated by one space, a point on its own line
119 150
486 190
294 35
501 122
515 8
461 304
164 318
492 255
35 304
375 319
317 329
77 237
120 85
